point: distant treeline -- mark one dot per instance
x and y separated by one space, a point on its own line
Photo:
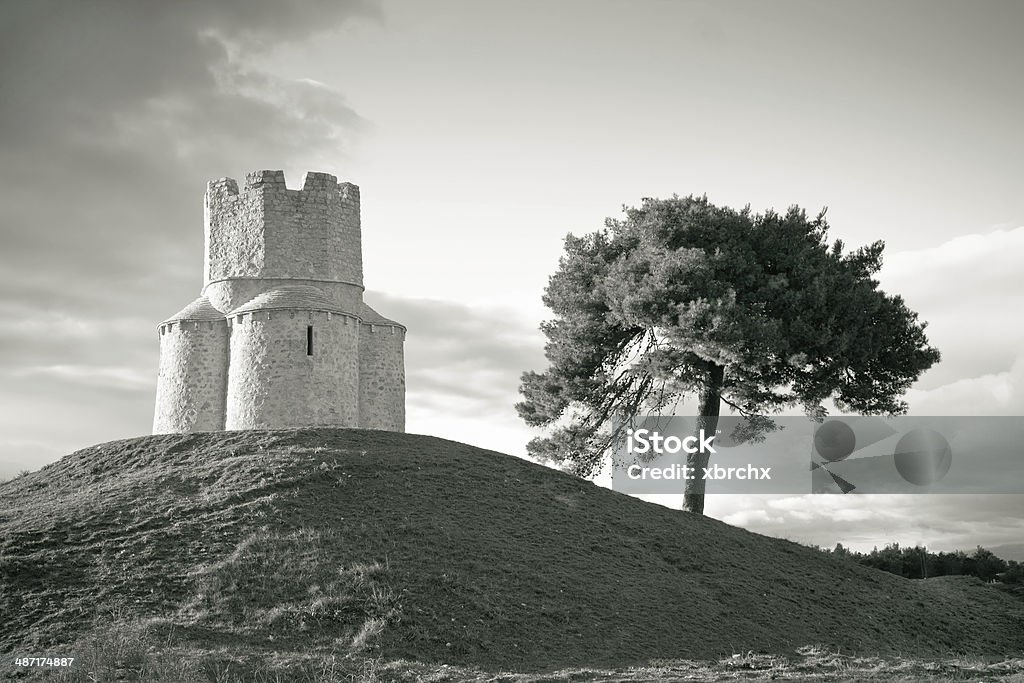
918 563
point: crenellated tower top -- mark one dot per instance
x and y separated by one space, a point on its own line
265 230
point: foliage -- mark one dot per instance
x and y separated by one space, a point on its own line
918 563
650 308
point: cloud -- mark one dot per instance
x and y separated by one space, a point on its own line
88 62
117 112
942 522
968 290
463 365
33 338
99 377
1000 393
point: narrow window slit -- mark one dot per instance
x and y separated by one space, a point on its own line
309 340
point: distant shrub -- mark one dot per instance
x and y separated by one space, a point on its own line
918 563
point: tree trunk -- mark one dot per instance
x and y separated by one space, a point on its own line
710 407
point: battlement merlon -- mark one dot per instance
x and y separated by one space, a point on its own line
263 229
261 183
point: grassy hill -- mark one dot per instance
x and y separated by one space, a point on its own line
396 546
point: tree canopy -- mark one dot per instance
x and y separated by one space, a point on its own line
682 297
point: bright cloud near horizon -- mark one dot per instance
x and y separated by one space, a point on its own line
480 135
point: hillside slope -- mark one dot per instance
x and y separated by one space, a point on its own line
426 549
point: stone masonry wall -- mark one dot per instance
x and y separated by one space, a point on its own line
233 232
274 384
191 386
314 232
268 231
382 377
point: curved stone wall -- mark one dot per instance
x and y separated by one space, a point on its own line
274 383
227 295
191 384
382 377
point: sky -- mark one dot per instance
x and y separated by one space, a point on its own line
481 134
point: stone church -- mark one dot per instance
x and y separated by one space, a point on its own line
280 336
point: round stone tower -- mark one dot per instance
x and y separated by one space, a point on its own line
294 362
289 341
381 372
191 384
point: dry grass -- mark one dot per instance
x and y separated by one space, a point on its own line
128 651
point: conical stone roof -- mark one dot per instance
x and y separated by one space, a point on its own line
200 309
293 297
